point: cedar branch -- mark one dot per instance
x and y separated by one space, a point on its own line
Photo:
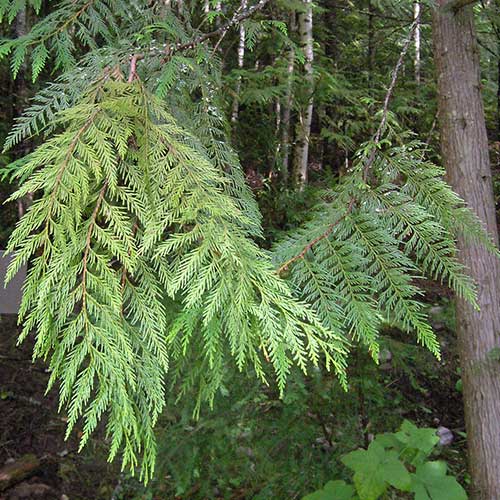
237 18
369 162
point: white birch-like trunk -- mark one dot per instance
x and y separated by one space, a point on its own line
301 157
241 61
287 109
416 15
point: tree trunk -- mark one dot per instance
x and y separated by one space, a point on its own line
20 101
218 8
331 152
371 47
241 61
498 88
180 8
287 108
464 146
416 14
301 157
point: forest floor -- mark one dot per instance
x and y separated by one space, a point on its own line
32 433
32 430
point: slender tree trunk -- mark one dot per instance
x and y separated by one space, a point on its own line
301 157
180 8
287 108
218 8
498 88
416 15
332 40
241 61
464 146
277 130
20 88
331 153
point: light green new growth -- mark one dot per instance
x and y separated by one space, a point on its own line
129 219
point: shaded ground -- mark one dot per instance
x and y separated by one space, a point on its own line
30 424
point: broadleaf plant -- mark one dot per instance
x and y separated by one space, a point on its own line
396 462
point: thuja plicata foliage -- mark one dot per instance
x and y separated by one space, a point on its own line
142 240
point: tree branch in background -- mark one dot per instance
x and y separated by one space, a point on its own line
388 95
236 19
239 16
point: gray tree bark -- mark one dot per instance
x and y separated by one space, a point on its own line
464 145
287 108
301 157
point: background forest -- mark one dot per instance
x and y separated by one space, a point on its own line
247 276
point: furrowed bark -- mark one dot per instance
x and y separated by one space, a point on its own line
464 145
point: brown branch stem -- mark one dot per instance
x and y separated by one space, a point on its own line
316 240
71 149
133 69
236 19
388 95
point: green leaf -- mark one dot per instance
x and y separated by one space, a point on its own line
422 440
333 490
388 440
5 47
375 469
18 59
430 482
